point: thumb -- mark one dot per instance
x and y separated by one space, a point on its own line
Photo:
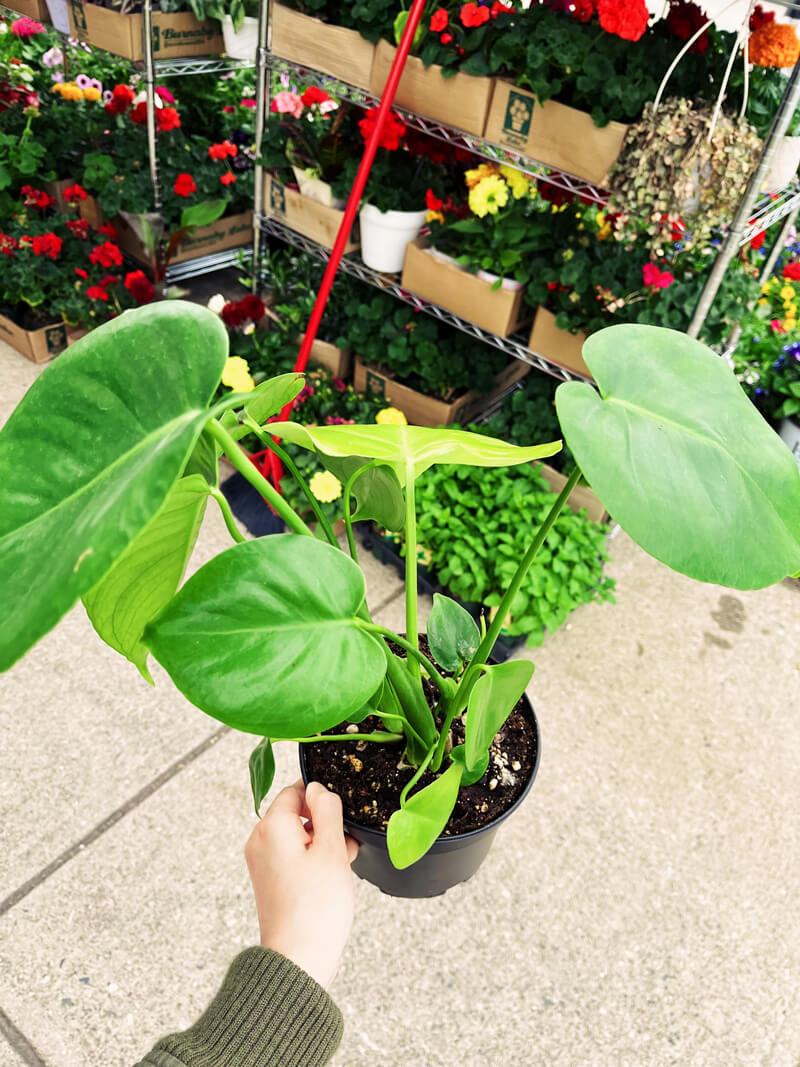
326 816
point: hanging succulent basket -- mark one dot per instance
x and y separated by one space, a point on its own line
678 162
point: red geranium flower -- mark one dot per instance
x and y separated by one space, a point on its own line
228 178
48 244
97 292
79 228
75 193
501 9
583 10
432 202
139 286
106 255
81 272
757 241
229 109
184 185
139 113
36 197
446 38
108 230
167 118
232 314
439 20
121 99
110 279
222 150
792 272
8 244
654 278
392 133
247 102
684 20
253 307
626 18
313 95
472 15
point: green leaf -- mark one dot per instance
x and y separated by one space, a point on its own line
413 829
681 458
459 755
377 492
411 448
203 460
144 578
492 700
271 396
262 771
91 452
265 638
202 214
452 633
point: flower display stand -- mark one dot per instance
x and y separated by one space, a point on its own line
34 9
173 35
333 50
301 213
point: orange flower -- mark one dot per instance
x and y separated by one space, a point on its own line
774 44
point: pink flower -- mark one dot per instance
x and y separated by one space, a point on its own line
287 103
26 27
165 94
248 102
654 278
777 326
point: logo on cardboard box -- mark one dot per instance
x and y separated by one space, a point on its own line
519 113
56 339
79 16
277 199
376 385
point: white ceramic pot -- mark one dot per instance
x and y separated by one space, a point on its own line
242 43
789 431
507 283
59 15
784 165
444 258
385 234
317 189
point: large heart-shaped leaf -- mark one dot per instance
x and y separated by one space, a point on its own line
144 578
265 638
412 830
411 449
91 452
491 701
682 459
453 634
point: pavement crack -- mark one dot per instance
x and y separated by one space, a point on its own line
19 1042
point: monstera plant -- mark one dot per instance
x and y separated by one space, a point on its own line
108 462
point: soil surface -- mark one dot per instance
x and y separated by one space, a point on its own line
369 777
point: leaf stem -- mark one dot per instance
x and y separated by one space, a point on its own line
257 480
446 686
411 569
227 514
380 737
348 518
418 774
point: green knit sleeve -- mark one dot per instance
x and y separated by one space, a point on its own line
268 1013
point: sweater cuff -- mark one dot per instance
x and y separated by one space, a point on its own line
268 1011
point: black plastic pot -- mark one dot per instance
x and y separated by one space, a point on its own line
449 861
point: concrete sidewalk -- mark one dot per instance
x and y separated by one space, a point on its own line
641 910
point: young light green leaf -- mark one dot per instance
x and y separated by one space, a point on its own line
203 214
452 633
492 700
377 491
91 452
414 447
262 771
470 777
265 638
203 460
682 459
144 578
413 829
271 396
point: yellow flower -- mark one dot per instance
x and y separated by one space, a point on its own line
789 324
787 293
604 233
236 374
325 486
431 215
488 196
391 417
485 170
517 182
762 300
91 93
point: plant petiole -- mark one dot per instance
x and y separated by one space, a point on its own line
380 737
446 686
348 519
227 514
416 777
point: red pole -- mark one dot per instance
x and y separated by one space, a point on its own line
353 203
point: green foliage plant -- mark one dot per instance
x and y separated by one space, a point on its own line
273 636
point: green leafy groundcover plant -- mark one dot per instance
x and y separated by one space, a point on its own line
475 526
273 636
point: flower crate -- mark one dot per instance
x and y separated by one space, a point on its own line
497 310
461 101
421 410
312 43
337 360
301 213
35 9
554 134
173 35
56 189
231 231
557 346
40 345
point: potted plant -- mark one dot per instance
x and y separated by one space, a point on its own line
273 636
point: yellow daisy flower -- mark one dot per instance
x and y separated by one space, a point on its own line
391 417
485 170
488 196
517 182
325 486
236 375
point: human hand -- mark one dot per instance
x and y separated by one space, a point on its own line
301 877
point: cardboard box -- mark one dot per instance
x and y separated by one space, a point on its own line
554 134
173 35
40 345
557 346
56 189
338 360
467 295
304 215
461 101
34 9
580 497
231 231
316 44
421 410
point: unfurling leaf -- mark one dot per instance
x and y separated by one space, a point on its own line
262 771
453 634
492 700
413 829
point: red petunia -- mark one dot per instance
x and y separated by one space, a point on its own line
314 95
139 286
106 255
184 185
48 244
472 15
167 118
392 133
228 178
253 307
97 292
792 272
626 18
74 193
438 20
432 202
79 228
108 230
222 150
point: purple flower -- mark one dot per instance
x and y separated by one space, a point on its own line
57 76
95 84
108 96
83 81
53 57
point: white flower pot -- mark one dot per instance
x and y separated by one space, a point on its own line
385 234
317 189
789 431
240 44
784 165
508 284
444 258
59 14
